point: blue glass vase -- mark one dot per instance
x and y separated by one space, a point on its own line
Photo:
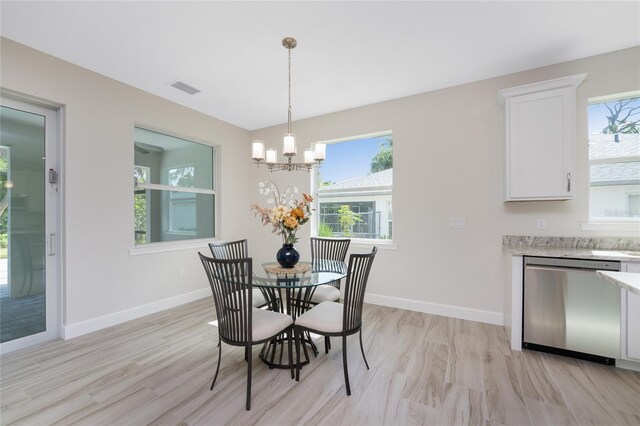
287 256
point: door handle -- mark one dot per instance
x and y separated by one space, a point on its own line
52 245
568 182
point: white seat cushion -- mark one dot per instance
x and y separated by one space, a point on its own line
258 298
325 317
325 293
268 323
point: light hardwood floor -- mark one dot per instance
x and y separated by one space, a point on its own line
425 369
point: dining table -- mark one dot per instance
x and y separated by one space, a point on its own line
290 291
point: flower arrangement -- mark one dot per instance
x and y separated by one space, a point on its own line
287 214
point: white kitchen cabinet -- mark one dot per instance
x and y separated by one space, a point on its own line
630 321
540 135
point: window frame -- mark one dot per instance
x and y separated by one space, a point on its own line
612 224
190 243
391 243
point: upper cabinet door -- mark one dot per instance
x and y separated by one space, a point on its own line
540 134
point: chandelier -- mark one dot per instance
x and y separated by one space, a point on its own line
312 157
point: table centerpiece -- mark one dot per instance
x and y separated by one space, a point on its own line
285 217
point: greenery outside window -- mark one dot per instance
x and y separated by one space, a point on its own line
355 188
614 158
174 195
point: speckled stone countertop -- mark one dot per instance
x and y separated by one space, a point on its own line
627 280
622 249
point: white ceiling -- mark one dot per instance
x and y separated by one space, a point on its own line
349 53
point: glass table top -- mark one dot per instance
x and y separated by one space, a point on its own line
315 273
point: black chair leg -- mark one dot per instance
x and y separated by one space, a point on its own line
304 344
218 366
313 345
362 350
297 337
289 333
248 381
327 344
344 363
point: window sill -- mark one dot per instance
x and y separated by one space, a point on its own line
611 226
381 244
152 248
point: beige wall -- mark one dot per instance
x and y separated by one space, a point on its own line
449 149
448 161
101 278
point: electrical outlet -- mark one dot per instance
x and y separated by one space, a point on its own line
182 273
457 222
541 223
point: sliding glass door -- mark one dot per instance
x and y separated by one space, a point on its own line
28 224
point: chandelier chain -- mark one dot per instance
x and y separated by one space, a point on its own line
289 110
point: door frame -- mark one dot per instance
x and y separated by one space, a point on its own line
53 216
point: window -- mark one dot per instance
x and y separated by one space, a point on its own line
614 158
355 187
174 196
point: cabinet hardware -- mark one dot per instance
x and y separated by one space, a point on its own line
568 182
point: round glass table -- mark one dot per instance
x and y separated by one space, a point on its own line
289 291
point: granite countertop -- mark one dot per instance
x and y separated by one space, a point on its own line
627 280
620 249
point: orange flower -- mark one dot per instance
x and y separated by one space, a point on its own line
290 222
307 198
297 213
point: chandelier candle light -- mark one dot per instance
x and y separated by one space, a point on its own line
314 156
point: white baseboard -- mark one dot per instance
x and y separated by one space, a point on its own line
478 315
628 365
78 329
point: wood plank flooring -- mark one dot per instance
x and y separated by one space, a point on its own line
425 369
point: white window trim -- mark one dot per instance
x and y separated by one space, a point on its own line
618 224
368 244
167 246
355 242
175 188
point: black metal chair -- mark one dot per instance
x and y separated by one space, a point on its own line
339 319
238 249
239 323
229 249
328 249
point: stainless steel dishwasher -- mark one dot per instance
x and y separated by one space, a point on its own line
568 310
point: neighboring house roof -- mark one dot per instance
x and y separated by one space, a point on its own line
615 173
604 146
372 180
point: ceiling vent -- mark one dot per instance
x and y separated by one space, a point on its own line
184 87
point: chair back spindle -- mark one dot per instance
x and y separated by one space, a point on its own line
329 248
357 278
229 249
229 278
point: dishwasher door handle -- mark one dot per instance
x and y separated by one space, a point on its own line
557 268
